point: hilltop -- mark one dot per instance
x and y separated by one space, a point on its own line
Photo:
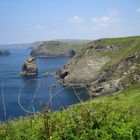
56 48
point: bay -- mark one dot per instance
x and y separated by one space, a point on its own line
22 95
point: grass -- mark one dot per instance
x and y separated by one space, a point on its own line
130 45
112 117
63 47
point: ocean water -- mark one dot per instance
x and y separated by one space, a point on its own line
20 96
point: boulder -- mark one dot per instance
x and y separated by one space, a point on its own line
136 78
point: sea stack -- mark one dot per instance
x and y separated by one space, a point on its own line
29 67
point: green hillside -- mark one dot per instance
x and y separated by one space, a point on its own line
73 41
57 47
130 45
114 117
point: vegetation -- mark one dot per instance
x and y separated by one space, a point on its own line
112 117
62 47
59 46
130 45
73 41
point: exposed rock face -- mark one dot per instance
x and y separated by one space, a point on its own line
102 48
84 67
52 49
29 67
105 68
118 77
85 70
4 53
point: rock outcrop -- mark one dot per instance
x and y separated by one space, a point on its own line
29 67
4 53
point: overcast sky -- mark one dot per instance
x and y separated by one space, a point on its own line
23 21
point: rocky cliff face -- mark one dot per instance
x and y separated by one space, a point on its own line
84 68
105 65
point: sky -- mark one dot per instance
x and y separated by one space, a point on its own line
26 21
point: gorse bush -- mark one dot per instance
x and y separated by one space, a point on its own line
114 117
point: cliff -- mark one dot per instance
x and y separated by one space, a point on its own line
105 65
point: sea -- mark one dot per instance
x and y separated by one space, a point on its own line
23 96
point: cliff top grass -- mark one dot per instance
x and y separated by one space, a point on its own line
129 46
61 45
112 117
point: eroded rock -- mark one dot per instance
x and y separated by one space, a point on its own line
29 67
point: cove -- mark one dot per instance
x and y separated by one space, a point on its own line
21 95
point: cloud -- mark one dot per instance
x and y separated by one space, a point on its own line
101 22
34 28
54 32
75 19
138 10
105 21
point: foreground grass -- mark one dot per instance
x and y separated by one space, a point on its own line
104 118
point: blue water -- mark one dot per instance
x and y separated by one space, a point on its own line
20 100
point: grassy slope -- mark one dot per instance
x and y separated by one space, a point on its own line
130 46
60 47
104 118
73 41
